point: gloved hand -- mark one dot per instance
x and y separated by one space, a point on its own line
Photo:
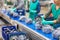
12 9
44 22
34 11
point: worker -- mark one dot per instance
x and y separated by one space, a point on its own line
55 17
20 7
34 9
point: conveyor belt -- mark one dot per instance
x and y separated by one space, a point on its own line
30 29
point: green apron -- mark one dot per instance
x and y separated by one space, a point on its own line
32 10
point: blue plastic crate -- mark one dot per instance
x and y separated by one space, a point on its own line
6 35
17 34
18 11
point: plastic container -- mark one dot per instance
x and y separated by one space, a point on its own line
11 33
18 36
6 31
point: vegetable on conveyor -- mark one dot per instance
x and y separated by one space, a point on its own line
38 25
47 29
22 18
56 34
29 21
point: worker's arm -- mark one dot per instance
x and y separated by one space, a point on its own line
21 4
44 22
49 22
48 13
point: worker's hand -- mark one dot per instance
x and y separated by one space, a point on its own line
55 21
34 11
12 9
43 22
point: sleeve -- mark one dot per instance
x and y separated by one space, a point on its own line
38 8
